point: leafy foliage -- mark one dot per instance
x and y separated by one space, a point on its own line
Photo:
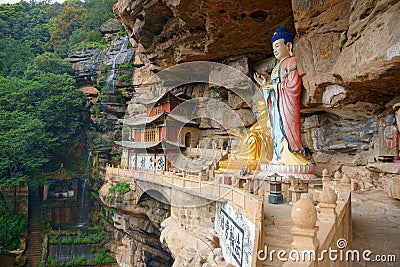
37 117
103 258
123 78
47 63
66 22
46 27
23 147
14 57
40 109
11 227
121 188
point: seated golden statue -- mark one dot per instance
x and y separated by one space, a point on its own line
255 147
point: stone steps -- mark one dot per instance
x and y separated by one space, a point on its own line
277 237
33 241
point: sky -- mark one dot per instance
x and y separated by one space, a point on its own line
16 1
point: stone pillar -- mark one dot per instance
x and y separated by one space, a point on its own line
202 175
211 174
327 205
256 186
337 178
246 185
345 182
261 194
304 232
325 177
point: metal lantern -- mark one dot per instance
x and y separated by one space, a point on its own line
275 189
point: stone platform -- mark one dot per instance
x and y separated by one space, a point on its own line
305 172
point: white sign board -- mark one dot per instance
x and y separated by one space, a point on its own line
236 235
146 162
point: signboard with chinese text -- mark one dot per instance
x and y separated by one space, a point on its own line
236 234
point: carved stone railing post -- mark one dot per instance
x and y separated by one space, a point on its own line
337 178
304 232
325 177
246 186
327 205
345 182
261 195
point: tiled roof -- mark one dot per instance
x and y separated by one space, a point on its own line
144 145
141 120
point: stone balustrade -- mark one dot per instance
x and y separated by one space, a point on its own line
323 228
245 202
316 228
249 205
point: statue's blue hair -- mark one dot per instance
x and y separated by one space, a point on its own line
282 32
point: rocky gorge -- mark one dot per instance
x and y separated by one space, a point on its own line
349 58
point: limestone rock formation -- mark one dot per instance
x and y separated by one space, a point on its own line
175 31
111 26
188 246
348 50
136 228
348 56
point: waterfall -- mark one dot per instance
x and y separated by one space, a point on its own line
83 205
72 254
89 161
110 82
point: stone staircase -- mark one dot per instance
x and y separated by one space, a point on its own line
32 252
277 225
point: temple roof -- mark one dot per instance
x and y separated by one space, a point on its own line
168 94
145 145
142 120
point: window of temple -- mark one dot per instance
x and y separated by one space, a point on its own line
150 135
158 110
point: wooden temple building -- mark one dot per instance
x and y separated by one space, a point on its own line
63 198
166 125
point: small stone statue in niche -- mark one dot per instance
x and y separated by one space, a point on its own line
391 138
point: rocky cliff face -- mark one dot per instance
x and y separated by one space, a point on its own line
136 228
108 71
104 75
175 31
348 56
350 47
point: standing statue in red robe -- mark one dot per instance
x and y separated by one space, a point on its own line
282 97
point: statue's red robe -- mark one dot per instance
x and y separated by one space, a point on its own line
288 98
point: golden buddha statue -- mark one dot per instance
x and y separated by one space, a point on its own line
255 147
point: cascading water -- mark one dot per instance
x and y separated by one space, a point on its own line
110 81
83 205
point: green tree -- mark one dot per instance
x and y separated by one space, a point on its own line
39 116
11 227
23 148
66 22
14 57
47 63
